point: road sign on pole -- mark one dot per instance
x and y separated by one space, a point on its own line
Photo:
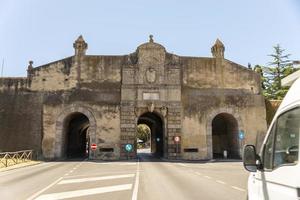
128 147
241 135
94 146
177 139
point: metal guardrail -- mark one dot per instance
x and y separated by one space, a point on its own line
12 158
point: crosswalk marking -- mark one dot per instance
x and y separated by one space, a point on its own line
80 193
80 180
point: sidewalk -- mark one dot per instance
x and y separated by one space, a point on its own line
20 165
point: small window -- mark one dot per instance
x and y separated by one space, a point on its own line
106 149
190 150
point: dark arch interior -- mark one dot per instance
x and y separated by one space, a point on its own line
225 136
154 122
76 127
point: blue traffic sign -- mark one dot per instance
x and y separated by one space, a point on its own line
241 135
128 147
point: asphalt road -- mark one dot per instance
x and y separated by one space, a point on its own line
144 179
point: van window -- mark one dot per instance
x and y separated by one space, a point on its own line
269 149
287 138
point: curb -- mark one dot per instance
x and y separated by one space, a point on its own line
5 169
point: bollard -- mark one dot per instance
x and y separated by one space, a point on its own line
225 154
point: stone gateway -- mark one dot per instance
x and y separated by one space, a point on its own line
63 107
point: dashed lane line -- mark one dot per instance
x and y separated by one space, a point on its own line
81 180
85 192
221 182
237 188
218 181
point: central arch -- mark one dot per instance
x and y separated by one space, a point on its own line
155 123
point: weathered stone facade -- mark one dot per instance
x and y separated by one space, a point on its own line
106 97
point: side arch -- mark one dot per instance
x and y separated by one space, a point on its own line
60 123
209 121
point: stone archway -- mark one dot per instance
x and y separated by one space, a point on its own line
60 137
157 136
209 130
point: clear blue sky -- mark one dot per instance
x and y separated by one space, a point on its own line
44 31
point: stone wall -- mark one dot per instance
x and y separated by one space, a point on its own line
58 75
14 84
114 91
101 69
200 106
20 121
100 105
218 73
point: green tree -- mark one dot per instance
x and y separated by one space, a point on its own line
259 69
278 68
143 132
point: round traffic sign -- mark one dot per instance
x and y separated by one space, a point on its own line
94 146
241 135
128 147
177 138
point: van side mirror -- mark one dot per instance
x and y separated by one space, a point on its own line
251 160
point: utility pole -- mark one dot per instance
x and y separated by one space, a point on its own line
2 67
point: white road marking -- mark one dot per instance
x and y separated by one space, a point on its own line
198 173
208 177
137 180
49 186
104 163
80 193
43 190
80 180
221 182
237 188
128 164
181 164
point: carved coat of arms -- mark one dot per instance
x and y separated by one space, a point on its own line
151 75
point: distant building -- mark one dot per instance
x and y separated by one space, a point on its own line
63 107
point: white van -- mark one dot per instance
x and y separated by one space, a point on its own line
275 171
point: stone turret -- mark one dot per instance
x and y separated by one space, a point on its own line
218 49
80 46
29 69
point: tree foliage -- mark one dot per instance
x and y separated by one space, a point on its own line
272 74
143 132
